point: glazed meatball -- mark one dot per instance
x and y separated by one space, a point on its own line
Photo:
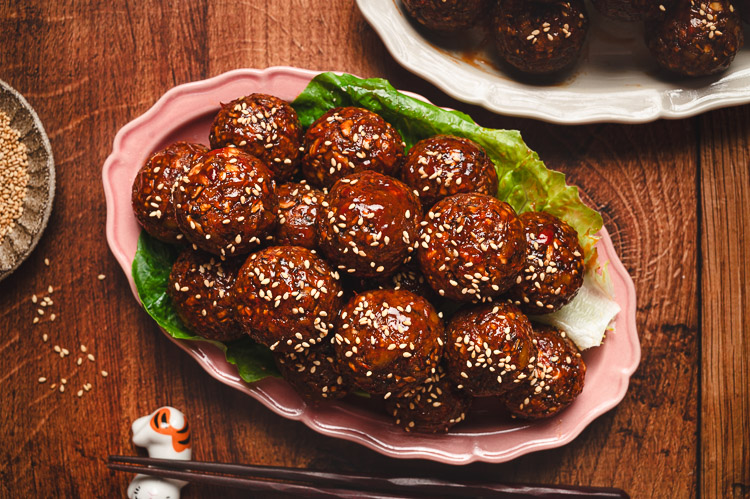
152 189
369 224
696 38
433 407
263 126
489 349
446 15
201 289
287 298
553 272
226 204
472 247
388 341
313 373
443 165
299 205
348 140
558 377
539 38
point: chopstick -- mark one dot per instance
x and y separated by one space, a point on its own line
327 484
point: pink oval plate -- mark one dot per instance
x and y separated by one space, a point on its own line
185 113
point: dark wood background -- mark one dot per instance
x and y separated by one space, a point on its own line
674 195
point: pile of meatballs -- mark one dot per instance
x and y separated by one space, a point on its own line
343 254
685 37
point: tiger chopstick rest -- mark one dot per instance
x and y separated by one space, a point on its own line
166 435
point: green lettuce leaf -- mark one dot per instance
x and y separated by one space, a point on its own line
253 360
151 266
524 181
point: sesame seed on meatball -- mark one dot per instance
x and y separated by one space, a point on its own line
650 9
369 224
696 38
557 380
287 298
299 205
388 341
446 15
263 126
540 38
444 165
433 407
201 288
553 271
489 349
314 372
226 204
152 189
348 140
472 247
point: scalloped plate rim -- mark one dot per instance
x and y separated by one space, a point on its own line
409 53
227 374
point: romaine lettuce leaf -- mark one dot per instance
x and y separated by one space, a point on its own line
588 316
525 183
151 266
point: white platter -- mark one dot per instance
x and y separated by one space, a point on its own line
615 81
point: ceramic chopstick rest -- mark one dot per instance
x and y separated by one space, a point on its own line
166 435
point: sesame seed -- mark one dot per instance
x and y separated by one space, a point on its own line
14 176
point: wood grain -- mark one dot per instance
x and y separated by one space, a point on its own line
725 273
90 67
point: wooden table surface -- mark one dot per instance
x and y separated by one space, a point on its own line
674 195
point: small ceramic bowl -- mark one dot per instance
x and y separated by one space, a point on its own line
21 240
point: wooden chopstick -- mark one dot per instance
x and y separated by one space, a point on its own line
243 483
326 484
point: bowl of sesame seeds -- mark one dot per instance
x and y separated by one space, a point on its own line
27 179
